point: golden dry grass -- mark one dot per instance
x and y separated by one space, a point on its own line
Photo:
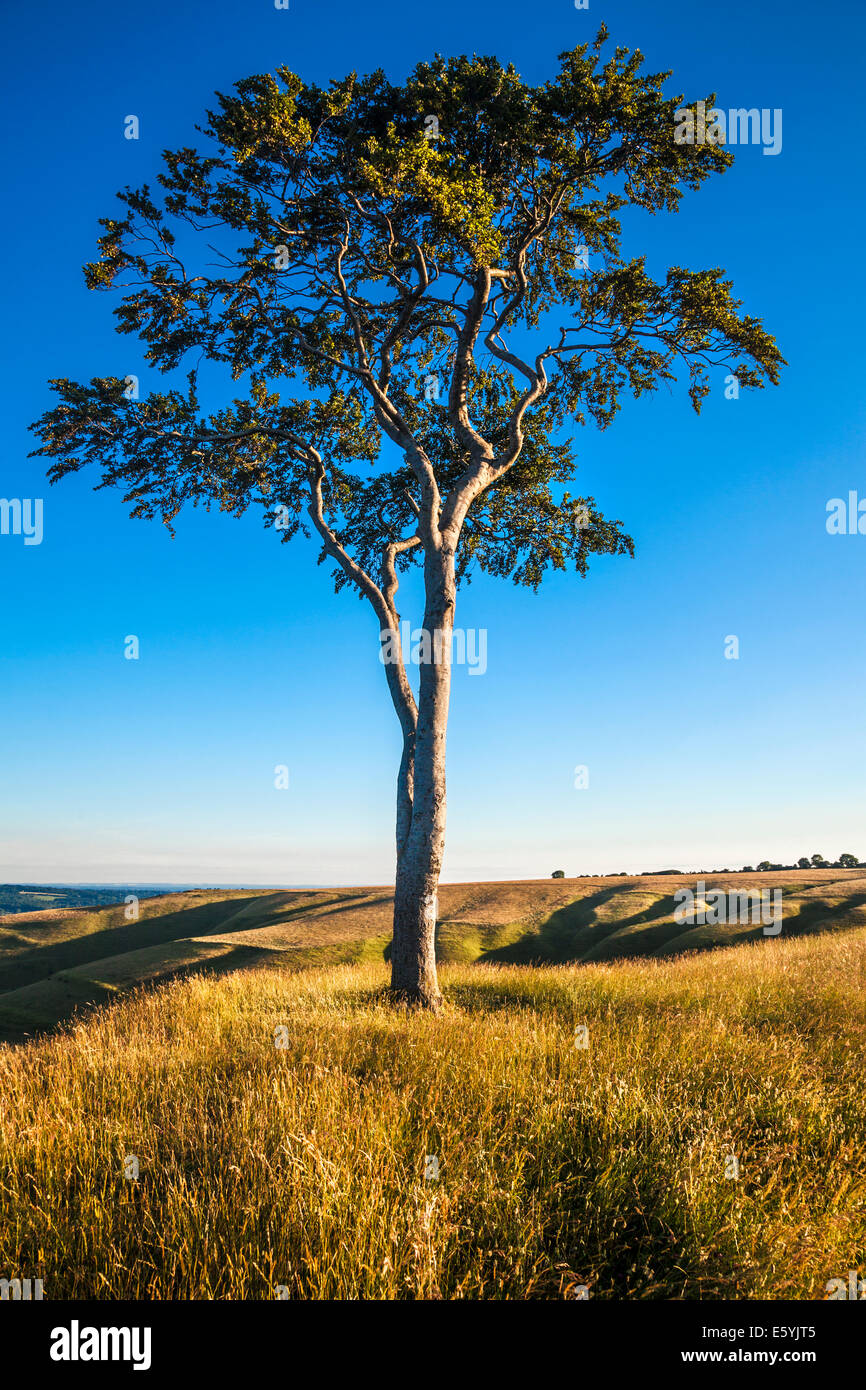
559 1166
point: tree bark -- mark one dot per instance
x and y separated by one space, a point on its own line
421 847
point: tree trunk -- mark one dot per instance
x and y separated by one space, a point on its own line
422 784
413 957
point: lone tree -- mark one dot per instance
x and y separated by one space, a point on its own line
343 254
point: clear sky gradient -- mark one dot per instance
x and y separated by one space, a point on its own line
162 769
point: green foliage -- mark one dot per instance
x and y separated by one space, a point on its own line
335 260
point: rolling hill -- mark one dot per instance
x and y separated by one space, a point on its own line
56 962
18 897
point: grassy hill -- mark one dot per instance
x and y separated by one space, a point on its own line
55 962
560 1166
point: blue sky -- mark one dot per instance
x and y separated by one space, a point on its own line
162 769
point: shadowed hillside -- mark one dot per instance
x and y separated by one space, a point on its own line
55 962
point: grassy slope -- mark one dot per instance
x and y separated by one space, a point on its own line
560 1165
53 963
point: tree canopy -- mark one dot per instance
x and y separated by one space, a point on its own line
344 251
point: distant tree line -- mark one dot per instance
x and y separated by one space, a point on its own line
815 861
